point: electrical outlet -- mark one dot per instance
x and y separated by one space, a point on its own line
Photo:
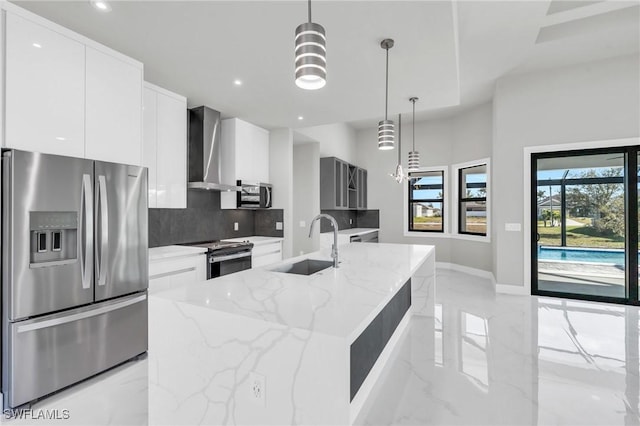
278 226
350 221
303 224
258 388
235 226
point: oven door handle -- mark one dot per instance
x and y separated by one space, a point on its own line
218 259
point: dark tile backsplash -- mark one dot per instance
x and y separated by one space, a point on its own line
264 222
203 220
368 218
359 219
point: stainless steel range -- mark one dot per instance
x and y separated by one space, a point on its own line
226 257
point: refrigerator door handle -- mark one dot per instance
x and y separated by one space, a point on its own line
104 231
80 315
86 233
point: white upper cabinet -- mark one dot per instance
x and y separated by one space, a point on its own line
245 156
165 147
149 141
45 82
252 152
68 95
113 109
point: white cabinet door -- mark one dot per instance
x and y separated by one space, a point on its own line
113 109
167 282
149 144
244 154
260 159
266 254
172 272
251 152
45 83
171 151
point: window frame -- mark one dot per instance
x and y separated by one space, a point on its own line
460 199
445 205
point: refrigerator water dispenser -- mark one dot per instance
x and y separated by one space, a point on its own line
54 237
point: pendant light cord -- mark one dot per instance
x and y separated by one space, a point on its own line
309 6
413 135
386 87
399 138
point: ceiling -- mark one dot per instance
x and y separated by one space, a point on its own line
448 53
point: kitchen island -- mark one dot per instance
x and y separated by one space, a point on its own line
268 347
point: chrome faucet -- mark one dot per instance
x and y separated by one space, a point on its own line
334 248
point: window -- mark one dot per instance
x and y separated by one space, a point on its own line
426 201
472 199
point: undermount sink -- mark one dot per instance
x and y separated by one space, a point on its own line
304 267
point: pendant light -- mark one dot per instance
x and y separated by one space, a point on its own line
414 156
399 175
311 55
386 128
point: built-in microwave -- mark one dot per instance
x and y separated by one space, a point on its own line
254 195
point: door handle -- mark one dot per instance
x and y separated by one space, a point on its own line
86 223
268 204
39 325
104 231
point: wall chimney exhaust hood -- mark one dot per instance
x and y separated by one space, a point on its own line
205 145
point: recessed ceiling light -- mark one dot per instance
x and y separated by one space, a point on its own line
300 117
60 138
101 5
38 45
237 82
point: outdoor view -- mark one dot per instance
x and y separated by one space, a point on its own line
581 224
426 201
473 200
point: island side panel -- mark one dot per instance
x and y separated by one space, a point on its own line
423 287
202 363
370 351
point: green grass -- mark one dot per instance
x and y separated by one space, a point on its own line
425 219
578 236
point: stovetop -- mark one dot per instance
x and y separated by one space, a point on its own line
220 245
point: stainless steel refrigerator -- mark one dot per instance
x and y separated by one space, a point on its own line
74 270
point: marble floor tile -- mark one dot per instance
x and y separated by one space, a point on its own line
481 359
491 359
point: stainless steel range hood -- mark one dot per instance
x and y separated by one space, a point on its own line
205 145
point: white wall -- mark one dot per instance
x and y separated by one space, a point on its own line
587 102
336 140
306 193
281 177
464 137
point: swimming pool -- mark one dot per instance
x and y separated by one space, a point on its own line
611 256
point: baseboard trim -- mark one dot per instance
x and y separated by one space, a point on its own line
466 269
517 290
500 288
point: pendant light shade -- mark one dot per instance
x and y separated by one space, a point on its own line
386 134
311 55
386 128
414 156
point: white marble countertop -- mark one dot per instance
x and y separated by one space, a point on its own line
256 240
354 231
339 302
167 252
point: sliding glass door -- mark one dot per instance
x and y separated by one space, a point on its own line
585 224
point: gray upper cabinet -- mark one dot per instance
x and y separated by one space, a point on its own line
343 185
362 188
